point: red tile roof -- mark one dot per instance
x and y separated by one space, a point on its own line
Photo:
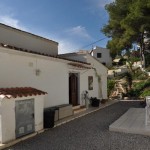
19 92
38 53
79 66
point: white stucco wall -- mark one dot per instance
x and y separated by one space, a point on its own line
27 41
106 58
102 71
7 115
7 120
38 112
84 84
18 69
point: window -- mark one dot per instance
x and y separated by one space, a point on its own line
99 55
90 82
104 63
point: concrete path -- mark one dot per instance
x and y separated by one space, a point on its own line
133 121
90 132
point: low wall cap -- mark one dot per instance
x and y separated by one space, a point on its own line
15 92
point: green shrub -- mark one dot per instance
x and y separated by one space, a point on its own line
145 93
139 85
140 89
148 69
133 93
110 86
140 75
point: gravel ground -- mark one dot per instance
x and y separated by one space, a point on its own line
90 132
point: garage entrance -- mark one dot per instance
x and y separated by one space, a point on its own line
24 117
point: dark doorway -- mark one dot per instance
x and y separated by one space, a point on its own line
73 89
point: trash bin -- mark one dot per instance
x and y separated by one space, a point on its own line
95 102
49 116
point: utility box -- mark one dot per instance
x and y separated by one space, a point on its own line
21 112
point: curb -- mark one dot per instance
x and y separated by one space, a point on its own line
82 115
11 143
2 146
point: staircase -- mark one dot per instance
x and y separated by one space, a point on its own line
78 109
118 90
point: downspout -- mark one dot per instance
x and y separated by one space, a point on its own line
99 83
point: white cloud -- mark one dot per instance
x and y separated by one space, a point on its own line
78 31
66 46
102 3
7 14
67 43
9 20
73 39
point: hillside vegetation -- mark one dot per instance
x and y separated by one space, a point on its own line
129 85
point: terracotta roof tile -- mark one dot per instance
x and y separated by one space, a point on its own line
20 92
79 66
39 53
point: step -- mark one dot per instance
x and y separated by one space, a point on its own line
76 107
79 110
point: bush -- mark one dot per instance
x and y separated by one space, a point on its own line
140 75
145 93
148 69
110 86
133 93
143 84
140 89
139 86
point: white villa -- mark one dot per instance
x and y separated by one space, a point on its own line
102 55
28 60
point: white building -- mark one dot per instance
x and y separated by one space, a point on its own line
98 68
25 40
32 61
28 60
21 112
102 55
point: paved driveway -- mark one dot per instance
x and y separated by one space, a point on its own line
90 132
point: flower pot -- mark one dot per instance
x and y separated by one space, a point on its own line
95 102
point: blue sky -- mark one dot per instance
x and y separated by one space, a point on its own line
72 23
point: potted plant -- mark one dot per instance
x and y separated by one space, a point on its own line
94 102
103 101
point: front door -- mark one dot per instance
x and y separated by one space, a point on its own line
73 89
24 117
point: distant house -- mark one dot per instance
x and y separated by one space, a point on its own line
102 55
